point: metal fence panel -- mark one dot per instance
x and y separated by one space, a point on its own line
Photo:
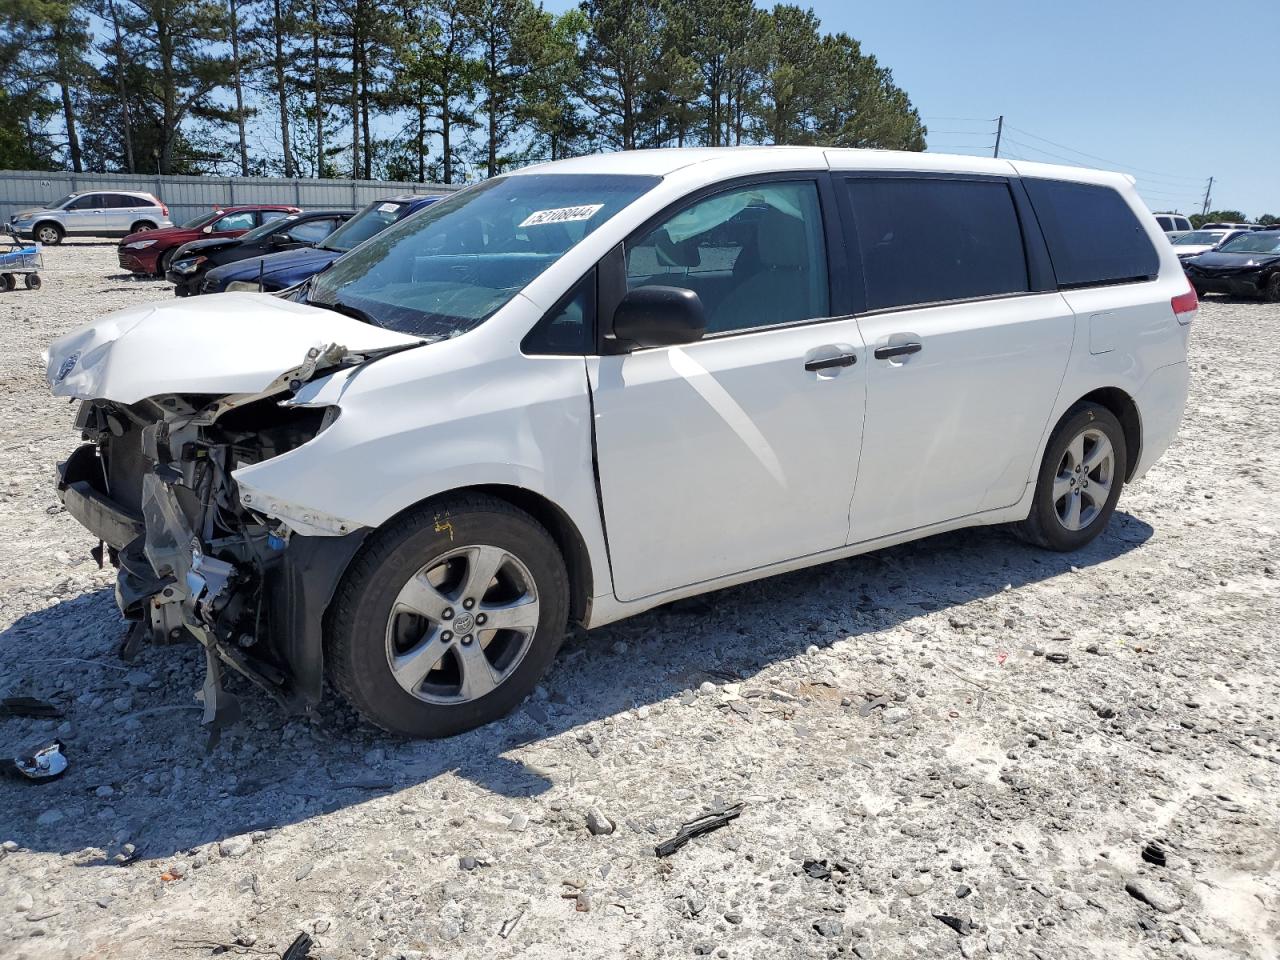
188 197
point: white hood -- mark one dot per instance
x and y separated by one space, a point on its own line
225 343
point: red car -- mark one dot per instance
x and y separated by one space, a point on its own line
149 251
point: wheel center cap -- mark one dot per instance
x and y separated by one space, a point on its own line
463 623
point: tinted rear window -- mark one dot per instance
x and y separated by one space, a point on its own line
1093 235
926 241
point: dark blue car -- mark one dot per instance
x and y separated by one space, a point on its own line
279 271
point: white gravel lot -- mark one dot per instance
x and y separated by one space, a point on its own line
994 785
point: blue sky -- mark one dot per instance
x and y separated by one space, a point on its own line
1172 91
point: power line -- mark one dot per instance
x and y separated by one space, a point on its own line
1063 146
962 119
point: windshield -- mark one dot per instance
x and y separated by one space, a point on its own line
452 266
257 233
201 220
374 218
1265 242
59 204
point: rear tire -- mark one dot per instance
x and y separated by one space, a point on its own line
50 234
406 641
1083 471
33 281
8 282
142 226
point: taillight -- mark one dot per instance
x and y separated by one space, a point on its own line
164 210
1185 305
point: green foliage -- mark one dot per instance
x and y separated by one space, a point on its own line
421 89
1198 220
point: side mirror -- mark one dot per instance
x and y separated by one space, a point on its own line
659 317
208 229
279 239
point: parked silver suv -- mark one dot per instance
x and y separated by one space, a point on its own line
97 213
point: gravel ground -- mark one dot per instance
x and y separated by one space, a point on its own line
963 728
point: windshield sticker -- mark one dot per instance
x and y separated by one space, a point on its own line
388 208
562 215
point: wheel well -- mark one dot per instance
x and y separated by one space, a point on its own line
1126 411
563 531
142 225
46 223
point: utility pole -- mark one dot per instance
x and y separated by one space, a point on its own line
1208 191
999 131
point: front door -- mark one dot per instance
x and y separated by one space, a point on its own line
85 215
739 450
965 358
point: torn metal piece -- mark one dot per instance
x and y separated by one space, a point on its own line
955 923
300 949
133 641
221 709
43 763
30 707
866 708
509 925
695 828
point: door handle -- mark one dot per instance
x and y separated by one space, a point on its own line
843 360
898 350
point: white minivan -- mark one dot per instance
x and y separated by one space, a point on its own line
573 393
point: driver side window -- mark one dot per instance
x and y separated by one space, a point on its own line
755 256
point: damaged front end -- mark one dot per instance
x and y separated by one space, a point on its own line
196 556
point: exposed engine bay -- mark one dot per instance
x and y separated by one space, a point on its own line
154 480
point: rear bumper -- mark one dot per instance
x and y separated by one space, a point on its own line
1160 403
81 488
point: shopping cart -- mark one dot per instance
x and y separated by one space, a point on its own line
19 257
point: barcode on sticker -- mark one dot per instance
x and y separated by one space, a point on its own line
562 215
389 208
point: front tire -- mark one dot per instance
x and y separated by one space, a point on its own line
1271 291
32 280
1083 470
8 282
448 618
50 234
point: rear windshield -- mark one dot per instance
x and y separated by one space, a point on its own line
1266 242
373 219
271 226
1094 237
452 266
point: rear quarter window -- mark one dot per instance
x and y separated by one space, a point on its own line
1093 235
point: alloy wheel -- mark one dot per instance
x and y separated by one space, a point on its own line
47 235
461 625
1083 482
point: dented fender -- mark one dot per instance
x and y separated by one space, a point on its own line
469 412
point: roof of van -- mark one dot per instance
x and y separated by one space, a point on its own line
761 159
